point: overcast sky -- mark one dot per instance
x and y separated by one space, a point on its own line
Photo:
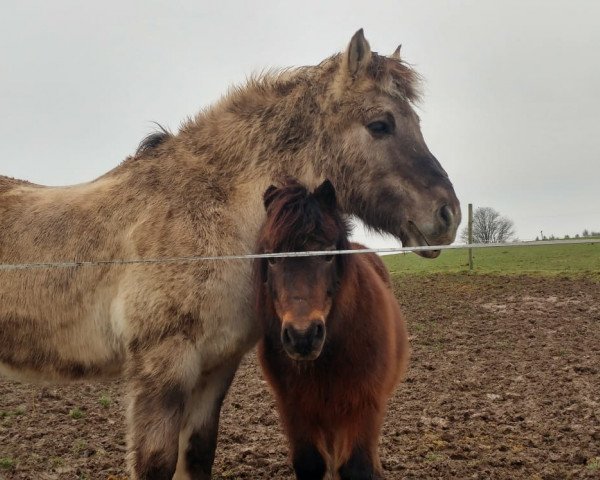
511 106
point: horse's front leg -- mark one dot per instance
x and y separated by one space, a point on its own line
303 436
364 462
307 461
198 436
161 379
362 465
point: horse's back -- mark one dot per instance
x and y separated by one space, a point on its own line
39 223
376 263
6 183
12 197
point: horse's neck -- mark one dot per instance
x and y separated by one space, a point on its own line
227 157
259 133
232 188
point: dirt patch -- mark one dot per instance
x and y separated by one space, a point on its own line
504 383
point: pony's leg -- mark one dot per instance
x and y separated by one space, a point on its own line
364 462
198 436
307 461
161 378
360 466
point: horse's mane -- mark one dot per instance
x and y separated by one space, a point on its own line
153 140
295 218
392 75
405 81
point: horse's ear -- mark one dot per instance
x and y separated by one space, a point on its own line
358 54
325 194
269 195
396 54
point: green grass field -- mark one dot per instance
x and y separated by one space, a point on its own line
570 260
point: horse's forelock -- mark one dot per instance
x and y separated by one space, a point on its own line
294 217
396 77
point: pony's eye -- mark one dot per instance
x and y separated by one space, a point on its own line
272 260
328 258
380 128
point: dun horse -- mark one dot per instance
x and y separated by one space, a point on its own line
335 342
180 329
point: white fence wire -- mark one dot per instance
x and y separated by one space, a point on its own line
205 258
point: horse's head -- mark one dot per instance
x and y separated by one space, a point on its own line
376 155
302 288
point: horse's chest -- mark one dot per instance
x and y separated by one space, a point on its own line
332 393
207 304
229 326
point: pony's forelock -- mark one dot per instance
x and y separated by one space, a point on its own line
295 218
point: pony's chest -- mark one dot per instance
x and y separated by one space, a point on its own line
333 391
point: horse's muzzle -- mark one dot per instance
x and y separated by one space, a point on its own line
303 344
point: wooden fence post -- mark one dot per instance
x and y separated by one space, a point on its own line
470 234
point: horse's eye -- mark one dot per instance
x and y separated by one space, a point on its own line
380 128
328 258
272 260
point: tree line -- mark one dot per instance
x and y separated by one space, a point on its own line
489 226
584 234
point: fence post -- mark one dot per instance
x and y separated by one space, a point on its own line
470 234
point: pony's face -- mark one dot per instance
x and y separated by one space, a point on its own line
382 169
302 291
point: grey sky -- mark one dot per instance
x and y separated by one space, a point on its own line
511 107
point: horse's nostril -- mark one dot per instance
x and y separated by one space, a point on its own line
286 336
446 215
320 331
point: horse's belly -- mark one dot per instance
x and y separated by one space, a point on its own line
81 344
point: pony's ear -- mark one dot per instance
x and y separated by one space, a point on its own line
268 196
325 194
396 54
358 54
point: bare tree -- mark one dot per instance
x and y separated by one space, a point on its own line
489 227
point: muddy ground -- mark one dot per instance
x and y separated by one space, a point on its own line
504 383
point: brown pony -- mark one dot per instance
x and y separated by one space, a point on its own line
177 331
334 344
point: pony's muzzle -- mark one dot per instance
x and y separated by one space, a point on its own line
303 343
